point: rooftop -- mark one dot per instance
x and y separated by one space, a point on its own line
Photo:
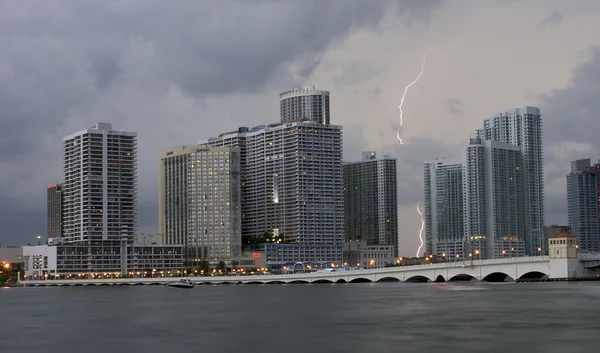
562 235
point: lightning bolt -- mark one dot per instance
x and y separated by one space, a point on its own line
421 231
404 96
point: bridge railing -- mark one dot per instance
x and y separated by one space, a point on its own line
591 256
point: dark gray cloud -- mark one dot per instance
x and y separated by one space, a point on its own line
571 125
356 72
554 19
454 106
151 67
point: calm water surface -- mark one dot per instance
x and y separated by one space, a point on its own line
382 317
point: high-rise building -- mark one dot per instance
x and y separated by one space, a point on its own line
54 211
292 188
306 102
371 200
493 187
523 127
444 216
200 201
583 203
99 188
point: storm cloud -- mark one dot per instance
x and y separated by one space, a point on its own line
178 73
152 67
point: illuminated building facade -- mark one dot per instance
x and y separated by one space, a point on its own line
200 201
292 188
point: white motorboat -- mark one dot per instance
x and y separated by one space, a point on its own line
182 283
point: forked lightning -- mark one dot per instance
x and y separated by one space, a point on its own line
400 139
420 231
404 96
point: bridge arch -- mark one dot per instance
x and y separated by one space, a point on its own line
341 280
533 275
300 281
497 277
418 279
323 281
440 278
388 279
360 280
462 277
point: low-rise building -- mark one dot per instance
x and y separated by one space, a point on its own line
360 254
279 254
105 258
250 259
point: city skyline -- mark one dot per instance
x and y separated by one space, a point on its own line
159 85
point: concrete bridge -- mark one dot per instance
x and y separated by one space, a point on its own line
484 270
590 260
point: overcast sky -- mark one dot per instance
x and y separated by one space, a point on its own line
180 72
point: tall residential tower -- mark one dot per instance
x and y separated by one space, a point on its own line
493 186
54 211
199 201
371 200
522 127
292 188
99 189
583 203
306 102
444 227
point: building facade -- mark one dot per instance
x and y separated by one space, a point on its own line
306 102
54 218
583 203
200 201
523 127
105 258
444 213
371 200
292 186
99 188
555 229
494 199
362 255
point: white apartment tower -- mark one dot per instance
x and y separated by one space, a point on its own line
99 188
443 211
292 187
493 187
199 201
523 127
306 102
